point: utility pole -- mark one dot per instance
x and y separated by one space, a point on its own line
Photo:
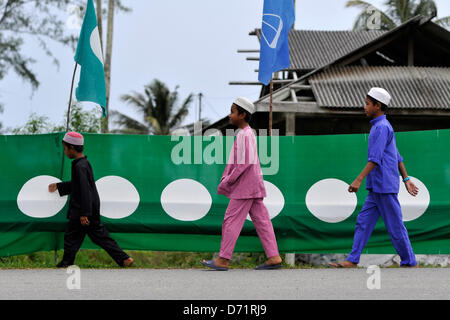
200 95
290 257
100 22
109 40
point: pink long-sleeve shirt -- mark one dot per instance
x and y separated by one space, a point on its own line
242 178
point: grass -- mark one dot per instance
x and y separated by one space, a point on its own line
99 259
142 259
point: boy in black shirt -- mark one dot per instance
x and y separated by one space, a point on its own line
84 207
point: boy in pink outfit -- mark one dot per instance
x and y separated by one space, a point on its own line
242 182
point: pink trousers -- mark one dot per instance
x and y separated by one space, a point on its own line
234 221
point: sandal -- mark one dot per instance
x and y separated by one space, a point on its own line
212 265
266 266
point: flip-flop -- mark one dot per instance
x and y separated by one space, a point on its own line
409 266
265 266
212 265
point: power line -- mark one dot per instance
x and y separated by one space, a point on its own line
212 108
200 95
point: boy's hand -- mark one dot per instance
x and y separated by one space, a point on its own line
84 221
52 187
224 180
354 187
411 187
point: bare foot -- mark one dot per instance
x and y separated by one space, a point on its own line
128 262
222 262
343 264
274 260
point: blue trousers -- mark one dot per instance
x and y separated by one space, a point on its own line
386 205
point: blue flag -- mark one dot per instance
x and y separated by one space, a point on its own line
278 18
89 56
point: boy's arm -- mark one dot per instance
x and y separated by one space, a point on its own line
402 169
85 194
374 155
64 188
410 186
236 173
247 149
357 183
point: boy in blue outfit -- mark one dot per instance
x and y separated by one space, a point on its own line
383 165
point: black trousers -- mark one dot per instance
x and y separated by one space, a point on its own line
74 236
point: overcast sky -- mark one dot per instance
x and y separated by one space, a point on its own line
192 44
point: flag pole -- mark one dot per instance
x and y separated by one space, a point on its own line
67 129
70 98
270 108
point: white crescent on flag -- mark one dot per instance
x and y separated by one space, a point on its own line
273 44
95 44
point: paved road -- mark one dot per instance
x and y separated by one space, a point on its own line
289 284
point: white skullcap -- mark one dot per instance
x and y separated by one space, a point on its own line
245 104
381 95
74 138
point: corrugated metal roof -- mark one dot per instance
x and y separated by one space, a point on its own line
422 22
410 87
311 49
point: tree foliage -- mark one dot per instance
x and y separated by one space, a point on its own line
80 121
20 20
44 21
158 107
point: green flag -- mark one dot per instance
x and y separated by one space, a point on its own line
89 56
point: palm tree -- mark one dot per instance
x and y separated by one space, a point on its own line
398 11
158 109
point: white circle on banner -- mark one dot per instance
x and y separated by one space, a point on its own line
186 200
274 201
34 199
329 200
413 207
118 197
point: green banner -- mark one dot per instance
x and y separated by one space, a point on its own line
160 192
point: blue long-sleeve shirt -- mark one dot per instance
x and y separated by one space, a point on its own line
384 178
